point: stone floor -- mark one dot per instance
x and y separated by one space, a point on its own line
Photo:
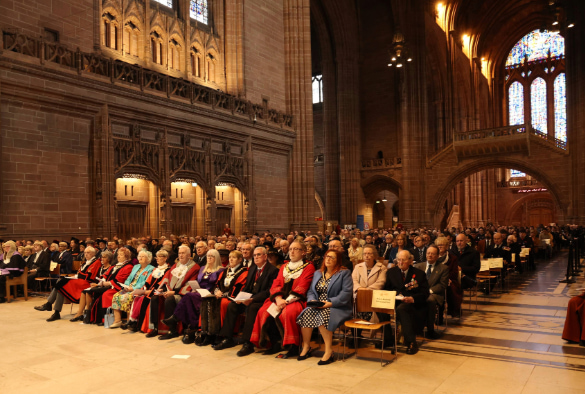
511 344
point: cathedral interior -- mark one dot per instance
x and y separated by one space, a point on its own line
158 117
146 118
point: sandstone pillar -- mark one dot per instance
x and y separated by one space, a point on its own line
299 103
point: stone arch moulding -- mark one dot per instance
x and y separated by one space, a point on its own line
321 205
378 183
147 173
464 171
198 178
527 200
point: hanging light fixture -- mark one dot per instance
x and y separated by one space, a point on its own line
398 53
384 198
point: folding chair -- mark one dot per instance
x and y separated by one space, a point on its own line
53 275
364 304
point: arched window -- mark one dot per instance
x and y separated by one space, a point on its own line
536 65
317 89
198 10
516 103
538 104
195 62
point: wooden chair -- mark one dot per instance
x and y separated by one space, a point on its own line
53 275
364 304
20 280
76 265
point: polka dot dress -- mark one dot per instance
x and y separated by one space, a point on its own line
313 317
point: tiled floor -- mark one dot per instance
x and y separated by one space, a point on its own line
511 344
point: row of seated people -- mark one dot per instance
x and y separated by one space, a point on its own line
285 306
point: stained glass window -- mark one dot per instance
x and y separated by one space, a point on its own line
538 103
168 3
198 10
516 103
561 108
516 173
536 45
317 89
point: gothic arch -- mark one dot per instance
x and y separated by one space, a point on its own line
527 200
378 183
491 162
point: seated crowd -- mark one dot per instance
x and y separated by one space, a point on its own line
268 291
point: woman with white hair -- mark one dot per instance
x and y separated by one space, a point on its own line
11 266
72 288
122 300
188 309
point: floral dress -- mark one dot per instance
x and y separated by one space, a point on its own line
123 300
314 317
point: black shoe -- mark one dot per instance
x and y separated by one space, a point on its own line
44 307
326 362
412 348
86 317
199 338
125 326
100 324
225 344
247 349
169 335
208 340
272 350
387 343
54 316
433 334
188 338
76 318
292 352
170 321
306 356
152 334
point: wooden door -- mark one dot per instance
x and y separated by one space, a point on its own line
132 221
223 216
540 216
182 218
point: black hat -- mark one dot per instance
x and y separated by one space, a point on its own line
223 252
99 241
272 251
83 243
75 240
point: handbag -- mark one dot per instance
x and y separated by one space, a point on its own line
108 318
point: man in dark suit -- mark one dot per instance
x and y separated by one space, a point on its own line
438 278
419 252
385 247
200 256
261 274
485 243
498 249
468 260
524 241
65 258
411 283
39 264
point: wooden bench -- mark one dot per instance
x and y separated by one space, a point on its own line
19 280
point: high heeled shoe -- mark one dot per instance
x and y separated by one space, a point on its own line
326 362
76 318
306 356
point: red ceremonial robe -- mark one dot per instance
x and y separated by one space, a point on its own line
73 287
575 321
181 289
288 316
118 277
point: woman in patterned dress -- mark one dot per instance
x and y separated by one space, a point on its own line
333 286
122 300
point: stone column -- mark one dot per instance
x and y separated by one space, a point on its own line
102 178
413 113
299 103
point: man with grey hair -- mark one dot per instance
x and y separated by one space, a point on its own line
70 286
438 278
283 251
39 264
410 283
201 253
261 274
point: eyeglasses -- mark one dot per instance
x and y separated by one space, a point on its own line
296 249
258 254
330 257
